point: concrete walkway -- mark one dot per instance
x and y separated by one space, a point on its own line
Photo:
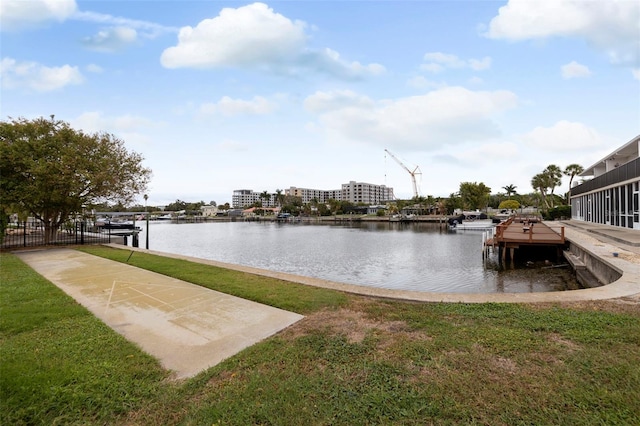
187 327
628 239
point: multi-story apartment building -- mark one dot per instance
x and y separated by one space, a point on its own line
308 195
611 197
366 193
354 192
242 198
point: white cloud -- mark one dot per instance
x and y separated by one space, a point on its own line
437 62
144 28
321 102
111 39
232 107
564 136
254 36
636 73
34 76
94 68
20 14
133 130
487 153
480 64
420 82
574 70
329 61
610 26
450 115
95 121
119 32
249 35
444 59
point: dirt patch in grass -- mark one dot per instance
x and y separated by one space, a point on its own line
505 365
567 344
354 324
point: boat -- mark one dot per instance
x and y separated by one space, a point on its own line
119 225
472 225
403 218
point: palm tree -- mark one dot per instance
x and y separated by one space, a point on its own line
279 197
510 189
572 170
553 174
314 205
539 183
265 197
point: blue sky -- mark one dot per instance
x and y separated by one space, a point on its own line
224 95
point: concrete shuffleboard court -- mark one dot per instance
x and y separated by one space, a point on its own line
187 327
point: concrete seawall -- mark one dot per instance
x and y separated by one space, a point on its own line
583 259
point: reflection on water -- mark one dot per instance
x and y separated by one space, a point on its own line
419 257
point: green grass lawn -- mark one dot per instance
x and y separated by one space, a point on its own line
352 360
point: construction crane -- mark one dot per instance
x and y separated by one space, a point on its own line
413 173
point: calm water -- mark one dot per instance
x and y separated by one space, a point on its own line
418 257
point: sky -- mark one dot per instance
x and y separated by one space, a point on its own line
226 95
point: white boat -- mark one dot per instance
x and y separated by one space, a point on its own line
473 225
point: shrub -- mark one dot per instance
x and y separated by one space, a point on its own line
559 212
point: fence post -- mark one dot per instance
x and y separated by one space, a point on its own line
24 233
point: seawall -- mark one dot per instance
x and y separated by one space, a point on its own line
591 270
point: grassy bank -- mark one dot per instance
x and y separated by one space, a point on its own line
59 363
351 361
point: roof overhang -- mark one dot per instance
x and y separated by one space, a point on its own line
620 156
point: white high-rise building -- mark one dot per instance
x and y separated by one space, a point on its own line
242 198
366 193
354 192
308 195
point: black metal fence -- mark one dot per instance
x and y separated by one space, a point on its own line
623 173
31 234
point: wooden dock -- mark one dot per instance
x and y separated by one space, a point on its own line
513 234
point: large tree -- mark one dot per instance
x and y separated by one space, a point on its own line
474 195
53 171
547 180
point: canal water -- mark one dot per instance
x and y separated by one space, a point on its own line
418 257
